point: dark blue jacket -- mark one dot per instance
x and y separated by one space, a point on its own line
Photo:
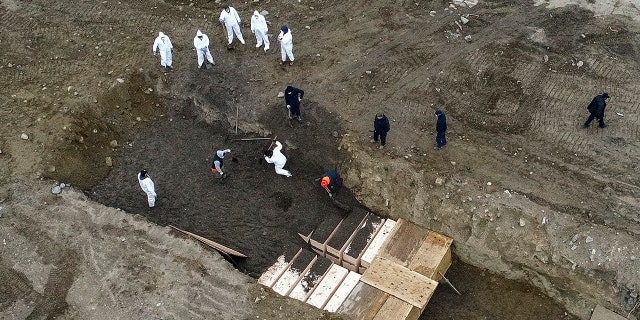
381 125
441 124
292 96
597 105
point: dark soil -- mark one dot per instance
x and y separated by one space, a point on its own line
254 210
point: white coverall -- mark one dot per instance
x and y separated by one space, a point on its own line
163 44
279 160
231 21
201 42
149 188
259 28
286 45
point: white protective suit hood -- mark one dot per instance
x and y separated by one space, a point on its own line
256 13
160 34
198 34
220 153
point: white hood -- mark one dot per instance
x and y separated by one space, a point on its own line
160 34
220 153
198 34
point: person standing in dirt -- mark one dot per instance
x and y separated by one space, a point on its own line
163 44
201 43
231 20
218 162
286 45
276 157
259 28
441 130
331 182
292 98
380 129
596 110
148 187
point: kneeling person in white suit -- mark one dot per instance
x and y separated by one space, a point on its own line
276 157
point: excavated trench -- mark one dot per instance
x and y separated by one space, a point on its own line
259 213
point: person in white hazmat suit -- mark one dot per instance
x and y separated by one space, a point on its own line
201 42
231 20
164 46
259 28
286 45
148 187
276 157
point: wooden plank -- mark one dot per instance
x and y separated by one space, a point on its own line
269 277
350 281
363 302
290 276
400 282
211 243
432 256
377 242
395 308
310 279
327 286
348 228
353 253
403 242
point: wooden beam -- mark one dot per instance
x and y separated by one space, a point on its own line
432 256
211 243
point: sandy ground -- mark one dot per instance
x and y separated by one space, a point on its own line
79 85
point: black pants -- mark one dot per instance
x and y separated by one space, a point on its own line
593 116
382 135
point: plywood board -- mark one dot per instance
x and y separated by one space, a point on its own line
403 242
343 291
377 242
363 302
395 308
400 282
432 256
327 286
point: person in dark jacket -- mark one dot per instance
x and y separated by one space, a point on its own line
380 129
441 129
596 110
331 182
292 97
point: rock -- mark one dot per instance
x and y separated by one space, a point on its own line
432 13
264 13
334 134
24 136
489 183
546 58
377 179
467 38
138 119
453 163
439 181
56 190
108 161
52 169
522 222
62 185
120 80
307 27
464 20
280 94
589 239
113 143
579 64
